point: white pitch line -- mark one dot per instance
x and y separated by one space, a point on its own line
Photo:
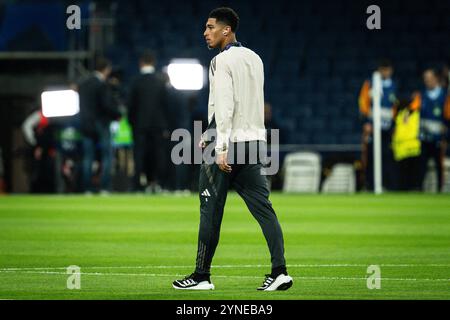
219 276
230 266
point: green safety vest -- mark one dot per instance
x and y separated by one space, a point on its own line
123 135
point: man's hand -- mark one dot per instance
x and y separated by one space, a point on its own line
38 153
202 143
367 131
221 160
367 128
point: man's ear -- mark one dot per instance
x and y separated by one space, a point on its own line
226 31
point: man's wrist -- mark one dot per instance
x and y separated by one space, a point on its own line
221 148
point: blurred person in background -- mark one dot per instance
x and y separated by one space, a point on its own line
148 115
69 155
388 100
434 105
40 136
270 123
181 107
446 85
2 173
446 76
97 109
406 145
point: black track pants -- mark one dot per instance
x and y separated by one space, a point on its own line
253 188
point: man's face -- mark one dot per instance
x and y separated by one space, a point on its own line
430 80
214 33
446 69
386 72
107 71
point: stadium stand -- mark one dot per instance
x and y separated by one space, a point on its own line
316 53
314 68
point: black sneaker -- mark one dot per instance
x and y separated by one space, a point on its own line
194 282
280 282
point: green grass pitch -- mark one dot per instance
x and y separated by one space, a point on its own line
133 247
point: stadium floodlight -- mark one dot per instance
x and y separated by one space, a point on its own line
60 103
186 74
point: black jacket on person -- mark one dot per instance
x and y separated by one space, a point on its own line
97 105
148 106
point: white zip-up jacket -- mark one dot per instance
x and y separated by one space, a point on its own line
236 97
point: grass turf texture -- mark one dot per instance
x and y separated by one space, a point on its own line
133 247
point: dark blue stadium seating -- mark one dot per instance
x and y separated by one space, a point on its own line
316 53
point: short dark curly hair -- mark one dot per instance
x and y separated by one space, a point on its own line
433 70
147 57
227 16
101 63
385 63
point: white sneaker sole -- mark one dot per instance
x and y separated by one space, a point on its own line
204 285
282 282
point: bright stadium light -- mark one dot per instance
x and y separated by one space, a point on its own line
60 103
186 74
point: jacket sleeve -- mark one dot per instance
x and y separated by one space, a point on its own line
416 102
447 109
131 104
447 116
364 101
28 126
108 104
167 106
224 105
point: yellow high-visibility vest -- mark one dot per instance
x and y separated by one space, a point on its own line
405 141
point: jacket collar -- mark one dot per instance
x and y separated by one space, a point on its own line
232 44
